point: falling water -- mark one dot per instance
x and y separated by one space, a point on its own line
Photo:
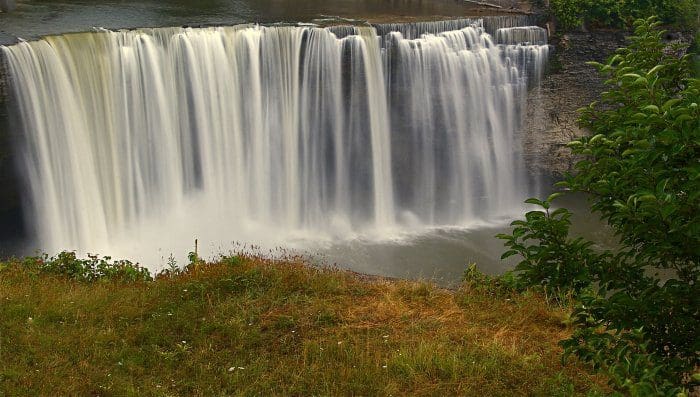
148 138
522 35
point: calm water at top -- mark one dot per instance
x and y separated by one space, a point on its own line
34 18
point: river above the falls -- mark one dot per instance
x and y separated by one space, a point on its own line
35 18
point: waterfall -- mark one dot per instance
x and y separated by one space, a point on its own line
148 138
522 35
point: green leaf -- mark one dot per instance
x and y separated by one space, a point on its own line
554 196
508 254
653 108
654 70
670 103
641 81
596 138
534 201
684 117
647 197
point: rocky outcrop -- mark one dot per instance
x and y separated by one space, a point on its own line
569 85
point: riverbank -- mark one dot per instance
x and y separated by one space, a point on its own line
247 326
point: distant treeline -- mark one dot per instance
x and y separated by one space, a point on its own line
571 14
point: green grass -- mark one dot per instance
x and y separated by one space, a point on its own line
259 327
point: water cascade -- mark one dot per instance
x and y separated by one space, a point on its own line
522 35
148 138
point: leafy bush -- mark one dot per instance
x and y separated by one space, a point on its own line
620 13
550 258
496 286
568 13
91 269
642 165
638 312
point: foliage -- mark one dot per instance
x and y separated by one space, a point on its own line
91 269
638 311
549 258
568 13
620 13
642 165
496 286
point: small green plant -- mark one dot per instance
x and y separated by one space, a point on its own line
172 269
232 260
550 259
193 256
91 269
502 285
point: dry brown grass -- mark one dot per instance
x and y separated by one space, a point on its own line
277 328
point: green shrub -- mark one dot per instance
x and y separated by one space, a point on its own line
91 269
621 13
550 259
637 315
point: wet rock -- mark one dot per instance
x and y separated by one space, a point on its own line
570 85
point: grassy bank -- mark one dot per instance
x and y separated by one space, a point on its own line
248 326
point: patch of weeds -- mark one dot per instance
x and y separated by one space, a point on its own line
326 318
253 281
231 260
498 286
284 323
91 269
